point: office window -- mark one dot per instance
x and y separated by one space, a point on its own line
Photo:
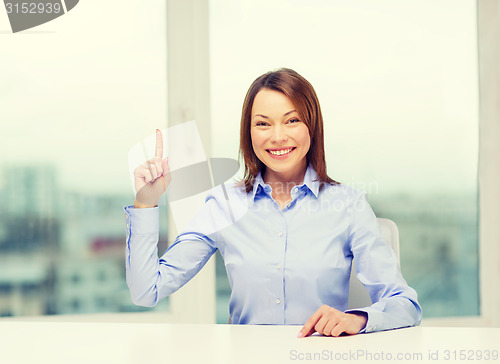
398 86
76 94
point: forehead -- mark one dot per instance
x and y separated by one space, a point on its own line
268 100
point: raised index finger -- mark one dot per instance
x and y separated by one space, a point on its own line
159 144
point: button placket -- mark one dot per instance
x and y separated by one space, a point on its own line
277 267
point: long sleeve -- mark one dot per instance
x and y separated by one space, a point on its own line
395 303
151 278
141 257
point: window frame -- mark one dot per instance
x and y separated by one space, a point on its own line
488 20
188 93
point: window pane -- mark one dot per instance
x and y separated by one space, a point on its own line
76 94
397 83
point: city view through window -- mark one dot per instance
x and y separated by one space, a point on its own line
74 99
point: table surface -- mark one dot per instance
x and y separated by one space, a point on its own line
80 342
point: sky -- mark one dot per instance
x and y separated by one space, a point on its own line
397 81
81 90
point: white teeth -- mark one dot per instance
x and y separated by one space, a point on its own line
280 152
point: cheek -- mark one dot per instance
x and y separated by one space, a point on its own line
307 146
307 143
303 137
255 146
252 139
256 140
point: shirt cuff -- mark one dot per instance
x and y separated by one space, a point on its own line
142 221
373 318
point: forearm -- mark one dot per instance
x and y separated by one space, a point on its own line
142 266
139 205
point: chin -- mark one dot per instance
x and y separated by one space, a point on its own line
280 168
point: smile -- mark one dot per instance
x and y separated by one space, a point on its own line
280 152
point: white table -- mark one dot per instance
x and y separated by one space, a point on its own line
77 342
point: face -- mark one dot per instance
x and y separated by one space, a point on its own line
279 138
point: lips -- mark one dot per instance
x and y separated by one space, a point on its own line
279 152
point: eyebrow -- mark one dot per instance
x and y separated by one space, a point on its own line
267 117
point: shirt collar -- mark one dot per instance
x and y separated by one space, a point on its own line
310 181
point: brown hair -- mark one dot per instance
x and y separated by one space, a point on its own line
306 102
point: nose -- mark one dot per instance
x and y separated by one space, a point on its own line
279 135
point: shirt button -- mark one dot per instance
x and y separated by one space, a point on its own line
277 266
278 301
280 233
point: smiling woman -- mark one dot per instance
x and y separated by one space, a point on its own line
289 253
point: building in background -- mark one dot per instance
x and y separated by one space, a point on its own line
61 252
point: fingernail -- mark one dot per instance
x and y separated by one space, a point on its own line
300 335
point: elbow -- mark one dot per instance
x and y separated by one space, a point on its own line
145 299
414 308
414 311
143 303
418 308
148 292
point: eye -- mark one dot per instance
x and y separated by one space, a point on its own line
261 123
293 121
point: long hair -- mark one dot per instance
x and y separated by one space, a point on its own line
306 102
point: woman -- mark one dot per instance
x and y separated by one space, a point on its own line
289 251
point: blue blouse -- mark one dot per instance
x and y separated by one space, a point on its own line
282 265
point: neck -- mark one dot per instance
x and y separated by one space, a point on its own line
283 182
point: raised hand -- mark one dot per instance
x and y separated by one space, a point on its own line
152 177
331 322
